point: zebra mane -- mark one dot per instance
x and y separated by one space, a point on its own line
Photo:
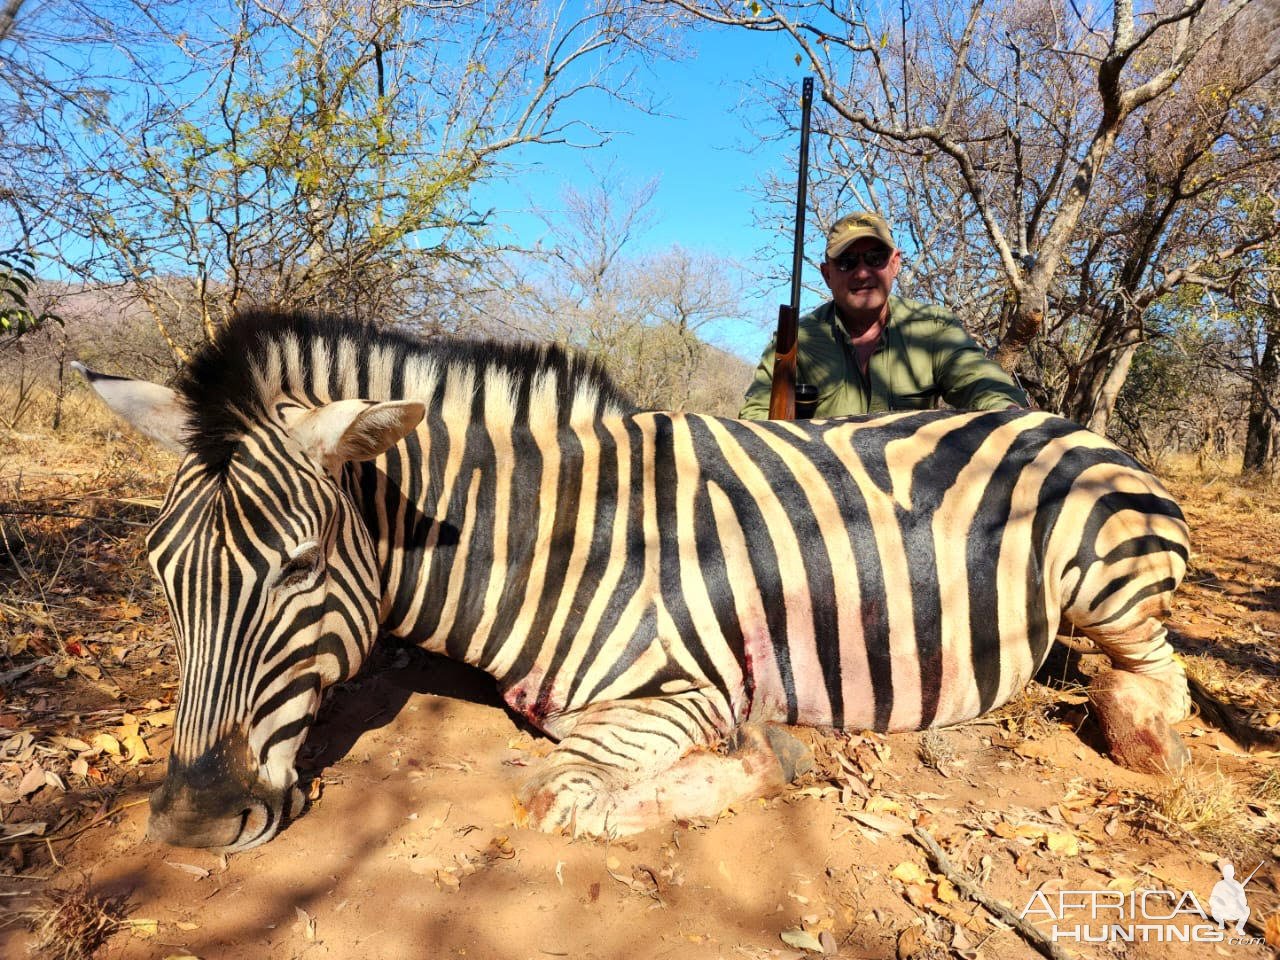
261 354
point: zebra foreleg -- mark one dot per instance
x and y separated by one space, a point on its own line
627 767
610 748
702 784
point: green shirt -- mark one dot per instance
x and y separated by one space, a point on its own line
923 355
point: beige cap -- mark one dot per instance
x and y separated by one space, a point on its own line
855 226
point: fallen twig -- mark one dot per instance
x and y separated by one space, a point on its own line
58 838
1034 937
10 675
70 516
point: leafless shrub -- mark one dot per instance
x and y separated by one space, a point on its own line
71 924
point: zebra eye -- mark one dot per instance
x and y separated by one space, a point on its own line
302 566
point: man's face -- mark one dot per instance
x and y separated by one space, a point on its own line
864 290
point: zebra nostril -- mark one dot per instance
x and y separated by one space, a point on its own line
254 823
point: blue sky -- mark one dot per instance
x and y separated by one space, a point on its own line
707 161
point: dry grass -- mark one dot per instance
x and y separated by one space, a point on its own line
1207 806
1245 685
82 413
1204 804
1267 789
1031 714
1200 468
71 924
1211 672
1221 482
70 530
1233 495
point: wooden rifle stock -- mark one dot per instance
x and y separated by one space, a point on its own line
782 397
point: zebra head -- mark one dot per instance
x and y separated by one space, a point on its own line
273 589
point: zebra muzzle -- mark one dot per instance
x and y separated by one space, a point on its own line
216 801
183 825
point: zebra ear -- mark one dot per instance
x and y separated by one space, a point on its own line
355 429
153 410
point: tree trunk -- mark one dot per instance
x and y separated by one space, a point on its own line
62 382
1033 295
1091 396
1105 403
1027 321
1262 439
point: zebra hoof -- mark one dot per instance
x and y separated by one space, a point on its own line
1133 713
765 743
794 757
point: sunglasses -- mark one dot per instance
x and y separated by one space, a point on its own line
875 259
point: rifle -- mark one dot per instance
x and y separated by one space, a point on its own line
782 398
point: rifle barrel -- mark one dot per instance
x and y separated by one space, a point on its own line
782 398
802 189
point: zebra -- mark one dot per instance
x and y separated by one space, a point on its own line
661 593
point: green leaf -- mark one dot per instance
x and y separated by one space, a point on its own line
17 280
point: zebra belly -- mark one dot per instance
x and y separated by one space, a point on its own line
802 698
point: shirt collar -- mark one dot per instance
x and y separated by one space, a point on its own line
838 327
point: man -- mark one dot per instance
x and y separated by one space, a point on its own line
868 351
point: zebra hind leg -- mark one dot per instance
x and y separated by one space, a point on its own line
622 770
1144 693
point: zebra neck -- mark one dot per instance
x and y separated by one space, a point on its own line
469 514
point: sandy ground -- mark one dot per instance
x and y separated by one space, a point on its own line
410 850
